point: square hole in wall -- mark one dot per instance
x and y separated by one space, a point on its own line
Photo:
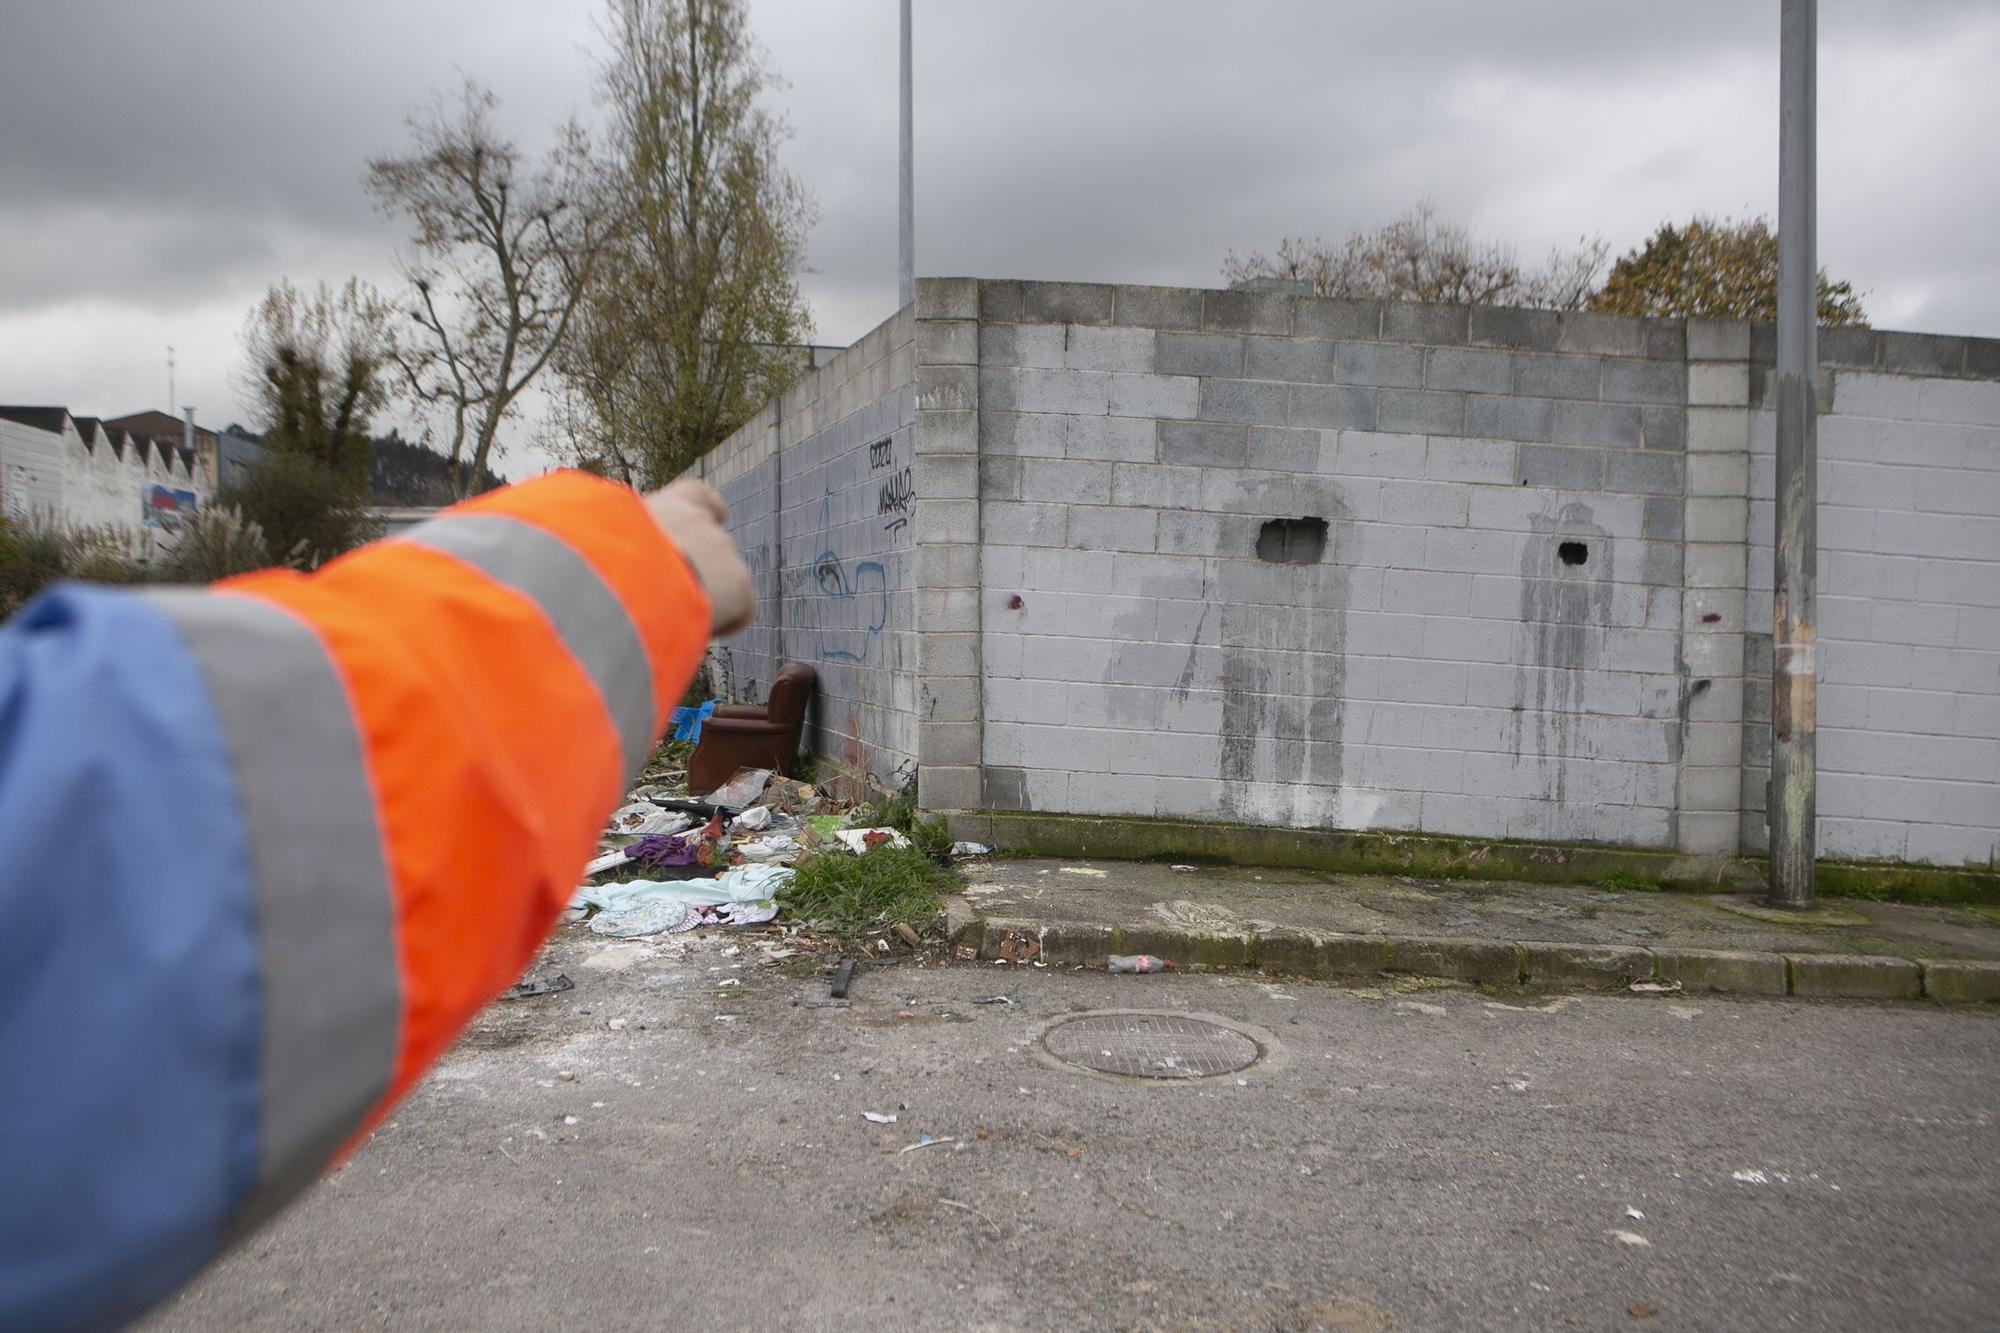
1292 541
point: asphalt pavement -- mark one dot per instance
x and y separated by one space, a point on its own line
656 1149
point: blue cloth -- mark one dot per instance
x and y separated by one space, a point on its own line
687 721
129 1027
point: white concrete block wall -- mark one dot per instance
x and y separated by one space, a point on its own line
1909 601
819 490
31 470
1442 668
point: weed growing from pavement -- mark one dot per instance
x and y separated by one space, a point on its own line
880 887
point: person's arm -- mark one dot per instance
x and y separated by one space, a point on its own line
265 849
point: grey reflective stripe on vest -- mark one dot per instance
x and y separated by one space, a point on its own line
331 996
587 614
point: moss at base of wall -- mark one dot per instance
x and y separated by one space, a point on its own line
1430 856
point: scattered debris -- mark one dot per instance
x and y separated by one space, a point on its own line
925 1142
966 1207
742 789
1655 987
754 820
1538 1286
1088 872
1642 1311
907 935
1182 870
644 818
617 856
972 849
1019 949
843 977
1137 962
529 989
879 1117
1750 1178
859 840
1007 1000
1634 1214
1633 1239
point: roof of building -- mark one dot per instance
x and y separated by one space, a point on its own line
41 418
162 425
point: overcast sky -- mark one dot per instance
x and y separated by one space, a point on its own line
163 161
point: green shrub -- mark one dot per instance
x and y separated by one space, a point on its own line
307 512
217 543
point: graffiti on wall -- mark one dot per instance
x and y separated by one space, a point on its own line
896 497
168 508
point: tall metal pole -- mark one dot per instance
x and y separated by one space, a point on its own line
1794 672
906 268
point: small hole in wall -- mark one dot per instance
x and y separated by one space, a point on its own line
1572 553
1015 603
1292 541
1701 686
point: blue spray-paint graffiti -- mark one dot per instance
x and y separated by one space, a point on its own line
848 626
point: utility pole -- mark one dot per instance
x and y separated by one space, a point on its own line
906 268
170 374
1794 671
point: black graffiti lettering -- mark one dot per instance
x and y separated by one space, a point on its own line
899 494
880 454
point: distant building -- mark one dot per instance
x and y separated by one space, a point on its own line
81 472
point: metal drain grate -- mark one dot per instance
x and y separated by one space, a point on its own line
1151 1046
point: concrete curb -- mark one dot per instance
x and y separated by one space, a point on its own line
1534 964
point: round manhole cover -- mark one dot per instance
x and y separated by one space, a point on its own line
1151 1045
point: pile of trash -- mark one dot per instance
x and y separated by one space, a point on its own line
668 864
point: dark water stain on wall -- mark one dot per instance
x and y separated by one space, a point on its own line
1566 577
1282 632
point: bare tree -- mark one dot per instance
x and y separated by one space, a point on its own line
1420 257
499 261
692 319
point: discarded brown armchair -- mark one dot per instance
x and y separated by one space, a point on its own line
740 736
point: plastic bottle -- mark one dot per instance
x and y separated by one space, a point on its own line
1136 962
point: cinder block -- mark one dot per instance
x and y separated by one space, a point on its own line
1666 339
947 432
1610 335
1243 400
1212 354
1385 365
1919 353
947 653
947 388
1557 376
1316 317
1718 384
1246 312
949 699
1598 425
1160 396
1421 412
1497 418
952 342
1854 977
1561 468
1438 325
1065 481
1717 519
1111 529
1110 439
948 610
1156 485
1715 833
1203 444
944 521
1718 340
1503 326
1489 461
948 788
948 743
1332 407
1663 520
1157 307
1284 449
1065 303
1372 454
1295 360
1024 524
1013 345
947 298
1022 434
1644 382
947 476
1469 370
953 566
1644 473
1718 474
1663 428
1128 350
